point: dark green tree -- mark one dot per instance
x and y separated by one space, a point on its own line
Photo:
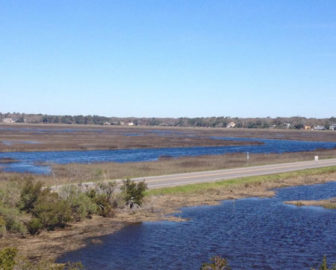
133 192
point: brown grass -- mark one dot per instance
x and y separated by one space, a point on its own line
107 137
329 203
51 137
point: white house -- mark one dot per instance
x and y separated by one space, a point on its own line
231 125
332 127
8 120
319 127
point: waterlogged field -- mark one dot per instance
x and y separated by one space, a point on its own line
251 233
35 162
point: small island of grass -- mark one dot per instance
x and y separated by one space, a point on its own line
328 203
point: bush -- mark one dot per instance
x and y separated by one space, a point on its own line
10 193
51 210
81 206
12 220
29 195
104 207
34 226
7 258
133 192
3 229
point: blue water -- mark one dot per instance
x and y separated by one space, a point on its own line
31 161
251 233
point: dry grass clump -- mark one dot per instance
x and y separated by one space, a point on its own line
329 203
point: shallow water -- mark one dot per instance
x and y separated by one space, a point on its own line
251 233
30 161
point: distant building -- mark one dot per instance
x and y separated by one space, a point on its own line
8 121
287 125
231 125
130 124
107 123
319 127
307 127
332 127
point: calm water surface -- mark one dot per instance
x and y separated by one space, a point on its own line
251 233
31 161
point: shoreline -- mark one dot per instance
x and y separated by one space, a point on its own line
157 207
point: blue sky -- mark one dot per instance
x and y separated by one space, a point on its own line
169 58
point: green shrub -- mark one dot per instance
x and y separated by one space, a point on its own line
51 210
29 195
12 218
104 207
3 229
133 192
34 226
7 258
81 206
10 193
106 189
80 203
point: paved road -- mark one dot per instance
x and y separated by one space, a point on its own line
226 174
212 176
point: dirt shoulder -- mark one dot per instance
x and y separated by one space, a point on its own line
157 207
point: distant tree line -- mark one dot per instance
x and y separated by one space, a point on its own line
218 122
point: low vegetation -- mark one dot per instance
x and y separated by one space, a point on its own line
219 263
328 203
10 260
29 208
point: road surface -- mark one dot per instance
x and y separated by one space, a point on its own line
226 174
181 179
